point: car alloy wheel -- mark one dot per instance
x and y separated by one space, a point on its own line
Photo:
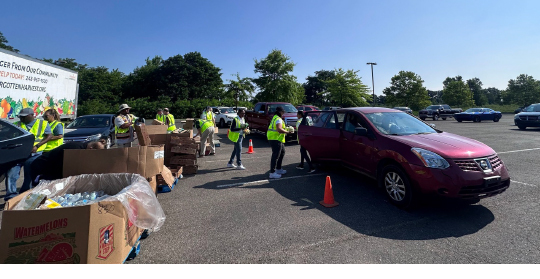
496 119
435 117
395 187
477 119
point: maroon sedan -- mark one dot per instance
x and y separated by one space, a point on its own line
406 156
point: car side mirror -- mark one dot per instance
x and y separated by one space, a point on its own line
361 132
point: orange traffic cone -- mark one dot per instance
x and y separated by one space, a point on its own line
250 150
328 195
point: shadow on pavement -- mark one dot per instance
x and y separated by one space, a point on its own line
365 209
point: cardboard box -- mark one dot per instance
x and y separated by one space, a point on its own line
165 178
157 122
142 135
184 150
216 130
156 129
184 133
190 169
94 234
144 160
178 160
153 183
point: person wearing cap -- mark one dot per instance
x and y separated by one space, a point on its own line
42 134
276 137
205 128
169 121
160 116
123 127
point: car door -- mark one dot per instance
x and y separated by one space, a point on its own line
15 145
356 151
319 133
487 114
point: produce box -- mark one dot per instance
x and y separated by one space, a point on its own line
142 135
190 169
157 122
184 150
156 129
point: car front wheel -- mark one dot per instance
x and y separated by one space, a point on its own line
496 119
397 187
435 117
477 119
221 123
423 118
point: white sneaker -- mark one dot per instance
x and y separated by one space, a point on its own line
240 167
275 175
231 165
281 171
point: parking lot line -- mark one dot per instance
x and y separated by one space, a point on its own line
518 150
523 183
267 180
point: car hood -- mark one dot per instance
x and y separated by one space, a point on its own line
83 132
530 113
232 114
448 145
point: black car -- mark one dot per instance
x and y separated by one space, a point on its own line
15 146
529 117
91 128
404 109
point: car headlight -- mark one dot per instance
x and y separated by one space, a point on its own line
95 137
430 159
230 118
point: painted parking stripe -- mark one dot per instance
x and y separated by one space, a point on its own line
527 184
521 150
267 180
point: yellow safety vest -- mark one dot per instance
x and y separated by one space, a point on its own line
209 116
38 130
205 124
232 135
172 125
52 144
272 133
160 117
123 133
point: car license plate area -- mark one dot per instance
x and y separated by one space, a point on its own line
491 181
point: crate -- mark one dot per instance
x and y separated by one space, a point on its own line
165 188
184 150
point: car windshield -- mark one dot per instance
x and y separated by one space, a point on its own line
433 107
398 124
226 110
474 110
90 122
286 107
535 108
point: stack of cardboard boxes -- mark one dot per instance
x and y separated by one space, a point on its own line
184 151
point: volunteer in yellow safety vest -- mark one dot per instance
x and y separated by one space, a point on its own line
42 133
53 117
276 137
209 115
169 121
160 116
303 151
123 127
205 128
236 134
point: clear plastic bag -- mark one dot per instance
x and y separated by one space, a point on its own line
132 190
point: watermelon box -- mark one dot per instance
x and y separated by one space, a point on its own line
99 233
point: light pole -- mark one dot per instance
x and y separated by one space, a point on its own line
372 82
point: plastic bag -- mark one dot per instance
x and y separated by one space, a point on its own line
132 190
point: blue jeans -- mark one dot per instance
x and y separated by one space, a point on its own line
13 175
237 151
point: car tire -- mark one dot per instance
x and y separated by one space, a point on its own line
397 187
423 118
435 117
522 127
444 118
477 119
496 119
222 123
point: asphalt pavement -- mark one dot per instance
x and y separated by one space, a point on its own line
223 215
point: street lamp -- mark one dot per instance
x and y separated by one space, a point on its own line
372 82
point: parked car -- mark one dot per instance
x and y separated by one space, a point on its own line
405 109
406 156
307 107
478 114
438 111
15 146
259 119
331 108
237 108
224 116
91 128
529 117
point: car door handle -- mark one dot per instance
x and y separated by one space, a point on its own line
11 146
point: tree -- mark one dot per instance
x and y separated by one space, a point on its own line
435 96
240 89
316 86
406 89
493 95
143 81
100 83
4 45
347 89
457 93
523 90
475 85
275 81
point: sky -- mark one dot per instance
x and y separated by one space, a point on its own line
493 40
